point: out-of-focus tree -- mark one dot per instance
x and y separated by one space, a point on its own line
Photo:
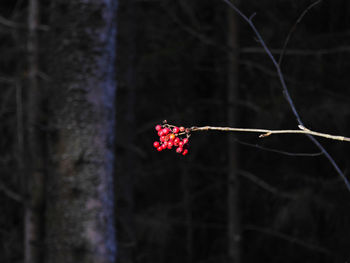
33 178
127 137
80 197
233 219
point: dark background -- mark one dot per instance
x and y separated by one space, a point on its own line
172 63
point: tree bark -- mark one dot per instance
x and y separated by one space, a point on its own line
34 179
233 219
126 221
187 204
80 199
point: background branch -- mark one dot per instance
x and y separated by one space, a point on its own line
293 29
286 92
295 154
291 239
9 23
9 193
298 52
266 186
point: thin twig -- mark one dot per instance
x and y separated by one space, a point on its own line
286 237
298 52
293 29
6 80
266 132
294 154
287 95
11 194
8 23
266 186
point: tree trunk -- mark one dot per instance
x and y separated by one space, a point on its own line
34 179
126 220
233 220
188 212
80 199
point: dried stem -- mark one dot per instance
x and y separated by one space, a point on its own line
266 132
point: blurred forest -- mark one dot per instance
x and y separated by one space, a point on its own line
234 197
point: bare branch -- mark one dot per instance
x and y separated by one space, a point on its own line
279 151
293 29
288 238
8 23
9 193
299 52
287 95
266 132
252 16
6 80
264 185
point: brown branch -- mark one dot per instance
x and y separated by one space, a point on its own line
266 132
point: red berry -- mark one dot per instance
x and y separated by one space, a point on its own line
176 130
162 139
165 131
179 149
160 133
170 145
185 140
164 146
159 149
158 127
185 152
172 136
176 141
182 129
156 144
181 144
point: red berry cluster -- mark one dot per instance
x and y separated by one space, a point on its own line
171 136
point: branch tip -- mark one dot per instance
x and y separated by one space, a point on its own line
252 16
265 135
